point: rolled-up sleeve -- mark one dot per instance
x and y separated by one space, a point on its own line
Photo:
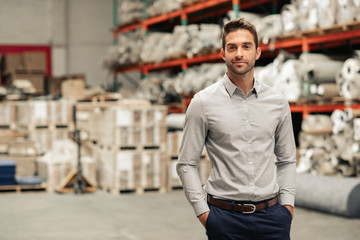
285 151
191 148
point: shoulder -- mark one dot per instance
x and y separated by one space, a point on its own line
270 93
210 92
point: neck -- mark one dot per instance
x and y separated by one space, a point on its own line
244 82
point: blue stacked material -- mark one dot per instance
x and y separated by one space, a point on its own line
7 172
34 180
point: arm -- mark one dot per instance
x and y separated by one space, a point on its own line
285 151
191 148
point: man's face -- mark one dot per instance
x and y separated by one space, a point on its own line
240 52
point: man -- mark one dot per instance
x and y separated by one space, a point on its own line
242 123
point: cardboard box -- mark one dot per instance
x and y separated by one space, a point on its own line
35 61
37 79
73 89
13 62
53 85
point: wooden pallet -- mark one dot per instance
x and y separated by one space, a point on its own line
22 188
138 191
338 28
324 101
32 127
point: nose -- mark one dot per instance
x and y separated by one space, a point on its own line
238 52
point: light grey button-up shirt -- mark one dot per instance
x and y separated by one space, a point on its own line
241 135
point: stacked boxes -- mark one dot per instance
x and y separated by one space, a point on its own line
132 154
173 145
29 129
132 170
45 121
32 114
8 113
133 126
28 65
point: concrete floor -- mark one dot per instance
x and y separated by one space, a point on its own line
151 216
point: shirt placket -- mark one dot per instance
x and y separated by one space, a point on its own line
248 139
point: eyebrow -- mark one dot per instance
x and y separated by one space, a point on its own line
244 43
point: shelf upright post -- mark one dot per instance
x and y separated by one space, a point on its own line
236 7
184 18
145 28
305 47
144 9
274 6
184 22
115 40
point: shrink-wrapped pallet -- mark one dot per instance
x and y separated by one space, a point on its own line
132 170
133 126
9 114
55 165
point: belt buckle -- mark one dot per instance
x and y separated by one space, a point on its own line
251 205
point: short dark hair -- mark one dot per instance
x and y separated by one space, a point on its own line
239 23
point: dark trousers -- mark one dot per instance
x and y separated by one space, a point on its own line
270 223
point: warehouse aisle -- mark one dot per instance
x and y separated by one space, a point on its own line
152 216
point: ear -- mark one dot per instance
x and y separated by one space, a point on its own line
258 53
222 53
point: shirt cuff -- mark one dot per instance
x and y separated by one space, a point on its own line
200 207
287 199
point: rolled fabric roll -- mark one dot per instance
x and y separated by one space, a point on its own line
175 120
326 13
317 123
357 9
313 57
308 16
270 27
289 18
307 141
327 90
346 11
288 81
351 69
339 119
322 72
357 130
334 195
349 89
339 142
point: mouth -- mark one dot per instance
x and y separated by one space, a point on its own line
239 62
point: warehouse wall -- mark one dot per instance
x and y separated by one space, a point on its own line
78 31
89 28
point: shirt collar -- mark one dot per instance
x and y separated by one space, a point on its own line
231 87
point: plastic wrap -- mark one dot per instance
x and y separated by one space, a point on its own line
326 13
289 81
348 79
290 18
309 18
163 6
269 27
129 11
346 11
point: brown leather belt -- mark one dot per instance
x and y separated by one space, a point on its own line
243 208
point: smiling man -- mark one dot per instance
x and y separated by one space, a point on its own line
243 124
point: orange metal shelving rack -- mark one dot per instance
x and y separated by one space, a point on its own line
299 42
